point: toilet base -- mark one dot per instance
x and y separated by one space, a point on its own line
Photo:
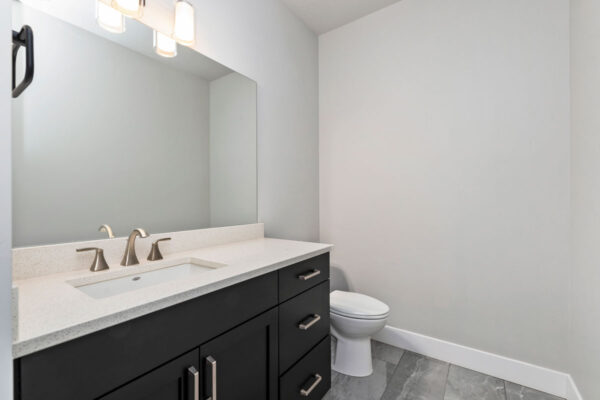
352 356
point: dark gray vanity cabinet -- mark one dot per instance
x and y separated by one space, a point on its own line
263 339
242 363
313 372
304 342
303 323
246 356
176 380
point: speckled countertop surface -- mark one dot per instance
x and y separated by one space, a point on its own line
52 311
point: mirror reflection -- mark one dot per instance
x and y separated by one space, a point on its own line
166 144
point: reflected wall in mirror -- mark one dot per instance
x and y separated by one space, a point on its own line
111 133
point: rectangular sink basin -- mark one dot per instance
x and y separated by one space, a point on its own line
123 284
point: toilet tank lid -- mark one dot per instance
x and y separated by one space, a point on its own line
350 303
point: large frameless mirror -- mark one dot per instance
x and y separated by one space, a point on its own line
109 132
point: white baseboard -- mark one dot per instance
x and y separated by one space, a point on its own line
546 380
572 391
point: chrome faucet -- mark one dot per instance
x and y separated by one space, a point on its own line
129 258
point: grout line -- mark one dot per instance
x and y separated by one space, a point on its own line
446 383
387 384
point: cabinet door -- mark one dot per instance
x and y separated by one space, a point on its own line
176 380
242 363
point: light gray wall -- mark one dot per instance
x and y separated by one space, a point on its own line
5 205
232 150
263 40
584 349
99 141
445 169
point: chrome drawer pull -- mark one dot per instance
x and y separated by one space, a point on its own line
309 275
313 320
196 376
306 392
212 363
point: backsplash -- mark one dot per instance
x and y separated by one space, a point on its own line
30 262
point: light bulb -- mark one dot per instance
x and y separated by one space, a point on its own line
164 45
109 18
185 26
131 8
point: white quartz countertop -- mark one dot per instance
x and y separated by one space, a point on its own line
52 311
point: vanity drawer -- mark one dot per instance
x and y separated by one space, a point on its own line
299 277
312 372
303 322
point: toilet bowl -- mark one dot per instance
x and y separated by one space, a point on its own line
355 318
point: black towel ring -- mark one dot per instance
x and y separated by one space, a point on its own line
24 38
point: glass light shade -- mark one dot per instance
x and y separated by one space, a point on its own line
131 8
109 18
164 45
185 26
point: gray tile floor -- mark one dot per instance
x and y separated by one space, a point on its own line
403 375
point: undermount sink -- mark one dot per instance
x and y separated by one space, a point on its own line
180 269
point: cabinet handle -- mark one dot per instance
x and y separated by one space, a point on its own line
196 379
306 392
305 325
310 275
212 364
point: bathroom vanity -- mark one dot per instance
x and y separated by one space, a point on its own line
266 337
138 141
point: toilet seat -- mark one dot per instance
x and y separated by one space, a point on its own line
357 306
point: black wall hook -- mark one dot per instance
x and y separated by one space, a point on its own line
24 38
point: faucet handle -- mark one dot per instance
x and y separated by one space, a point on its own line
155 251
99 263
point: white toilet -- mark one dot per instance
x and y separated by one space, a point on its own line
355 318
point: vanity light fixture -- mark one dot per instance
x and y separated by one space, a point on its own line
109 18
130 8
164 45
184 30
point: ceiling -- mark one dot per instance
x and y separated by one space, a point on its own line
324 15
